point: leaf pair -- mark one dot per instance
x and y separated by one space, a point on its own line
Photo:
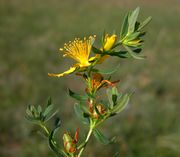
117 101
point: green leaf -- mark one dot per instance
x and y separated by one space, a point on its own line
48 113
53 144
78 96
122 103
28 111
133 36
80 114
133 54
57 122
132 20
103 37
49 116
39 109
120 54
124 28
33 120
100 137
48 110
114 95
34 111
49 102
109 94
144 23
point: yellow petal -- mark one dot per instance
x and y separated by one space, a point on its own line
71 70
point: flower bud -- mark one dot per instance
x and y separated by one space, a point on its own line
135 42
109 42
100 109
69 143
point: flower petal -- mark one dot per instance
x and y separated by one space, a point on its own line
71 70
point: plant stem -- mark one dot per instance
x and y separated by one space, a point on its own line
86 141
45 129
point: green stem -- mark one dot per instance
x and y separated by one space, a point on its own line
45 129
86 141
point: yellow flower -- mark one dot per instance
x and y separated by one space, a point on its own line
79 50
109 42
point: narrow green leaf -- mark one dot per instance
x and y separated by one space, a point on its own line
53 145
115 95
133 36
28 112
39 109
121 104
124 28
120 54
100 137
144 23
78 96
132 20
80 114
48 110
34 111
50 115
33 119
109 94
49 102
133 54
103 37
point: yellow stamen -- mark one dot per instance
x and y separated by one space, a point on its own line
79 50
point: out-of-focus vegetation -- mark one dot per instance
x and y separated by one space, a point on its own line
31 33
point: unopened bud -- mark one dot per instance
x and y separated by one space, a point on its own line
100 109
109 42
69 143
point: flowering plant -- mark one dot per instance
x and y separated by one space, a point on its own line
90 109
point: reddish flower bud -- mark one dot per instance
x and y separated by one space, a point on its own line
100 109
70 144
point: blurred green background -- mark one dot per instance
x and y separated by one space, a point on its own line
32 31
